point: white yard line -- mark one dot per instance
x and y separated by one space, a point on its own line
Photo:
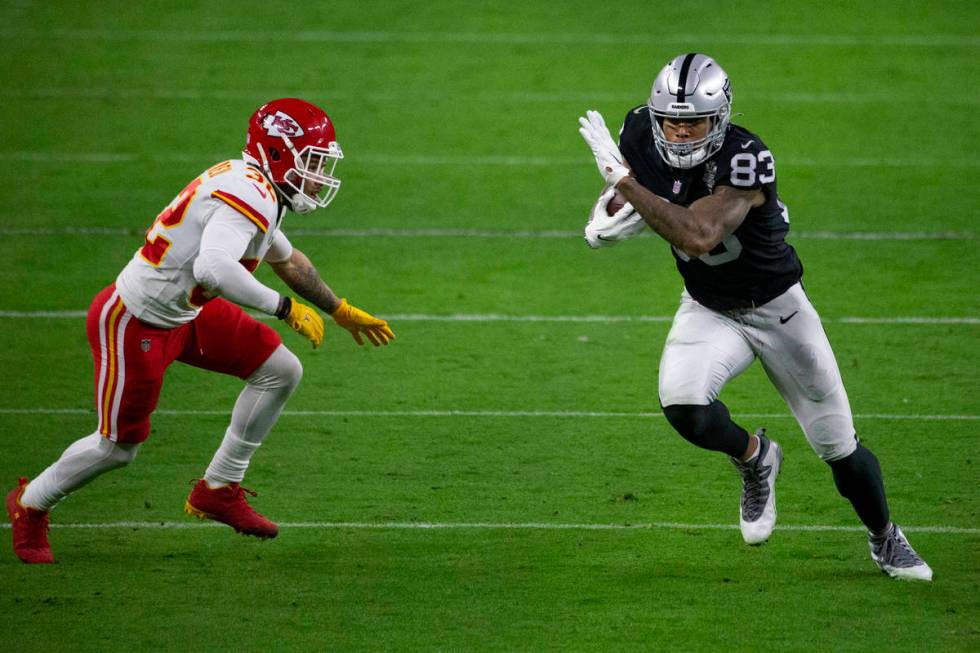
574 414
38 156
544 39
459 232
531 526
433 94
493 317
497 317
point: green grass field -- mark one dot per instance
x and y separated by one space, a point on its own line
499 479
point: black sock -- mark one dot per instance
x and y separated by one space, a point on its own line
858 479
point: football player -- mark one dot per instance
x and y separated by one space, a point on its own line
708 187
180 298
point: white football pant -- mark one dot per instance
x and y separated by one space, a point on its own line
706 348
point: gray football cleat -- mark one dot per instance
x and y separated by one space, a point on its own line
757 515
895 556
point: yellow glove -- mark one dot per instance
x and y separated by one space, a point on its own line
357 322
303 319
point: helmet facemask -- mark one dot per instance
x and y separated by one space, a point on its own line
311 176
689 154
311 180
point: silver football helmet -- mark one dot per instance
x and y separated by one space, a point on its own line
690 86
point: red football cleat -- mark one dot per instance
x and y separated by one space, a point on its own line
29 527
227 505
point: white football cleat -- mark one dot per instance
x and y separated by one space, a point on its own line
757 514
895 556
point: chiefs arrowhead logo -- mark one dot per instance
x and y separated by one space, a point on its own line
279 124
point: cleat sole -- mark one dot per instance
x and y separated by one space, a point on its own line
200 514
194 512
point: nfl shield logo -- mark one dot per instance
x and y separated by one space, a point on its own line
677 187
145 344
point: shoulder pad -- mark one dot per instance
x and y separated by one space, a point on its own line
247 191
636 124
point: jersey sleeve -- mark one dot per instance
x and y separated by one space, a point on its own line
280 249
745 163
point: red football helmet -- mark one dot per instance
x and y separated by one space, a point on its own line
294 142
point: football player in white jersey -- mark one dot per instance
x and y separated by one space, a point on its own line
708 187
180 298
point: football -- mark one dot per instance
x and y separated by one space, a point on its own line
616 203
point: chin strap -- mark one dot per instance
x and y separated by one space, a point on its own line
300 204
265 161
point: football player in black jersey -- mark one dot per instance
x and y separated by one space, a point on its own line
708 187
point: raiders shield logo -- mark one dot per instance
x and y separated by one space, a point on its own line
145 344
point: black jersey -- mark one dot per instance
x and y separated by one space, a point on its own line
754 264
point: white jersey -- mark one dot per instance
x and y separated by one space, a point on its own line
158 285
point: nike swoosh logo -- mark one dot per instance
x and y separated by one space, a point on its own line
261 191
745 145
784 320
608 240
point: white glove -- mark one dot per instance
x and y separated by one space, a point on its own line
604 230
607 154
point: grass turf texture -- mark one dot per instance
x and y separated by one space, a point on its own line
461 116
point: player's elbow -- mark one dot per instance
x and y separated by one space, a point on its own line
703 238
692 250
695 245
209 269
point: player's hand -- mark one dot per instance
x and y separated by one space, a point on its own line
604 230
306 321
607 155
359 322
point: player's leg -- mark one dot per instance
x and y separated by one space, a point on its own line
710 426
702 352
81 462
799 360
256 411
128 377
229 341
705 349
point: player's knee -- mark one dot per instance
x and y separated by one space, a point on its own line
117 455
291 369
281 370
693 422
832 437
708 426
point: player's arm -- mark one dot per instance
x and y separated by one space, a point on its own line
699 228
223 242
298 272
695 230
